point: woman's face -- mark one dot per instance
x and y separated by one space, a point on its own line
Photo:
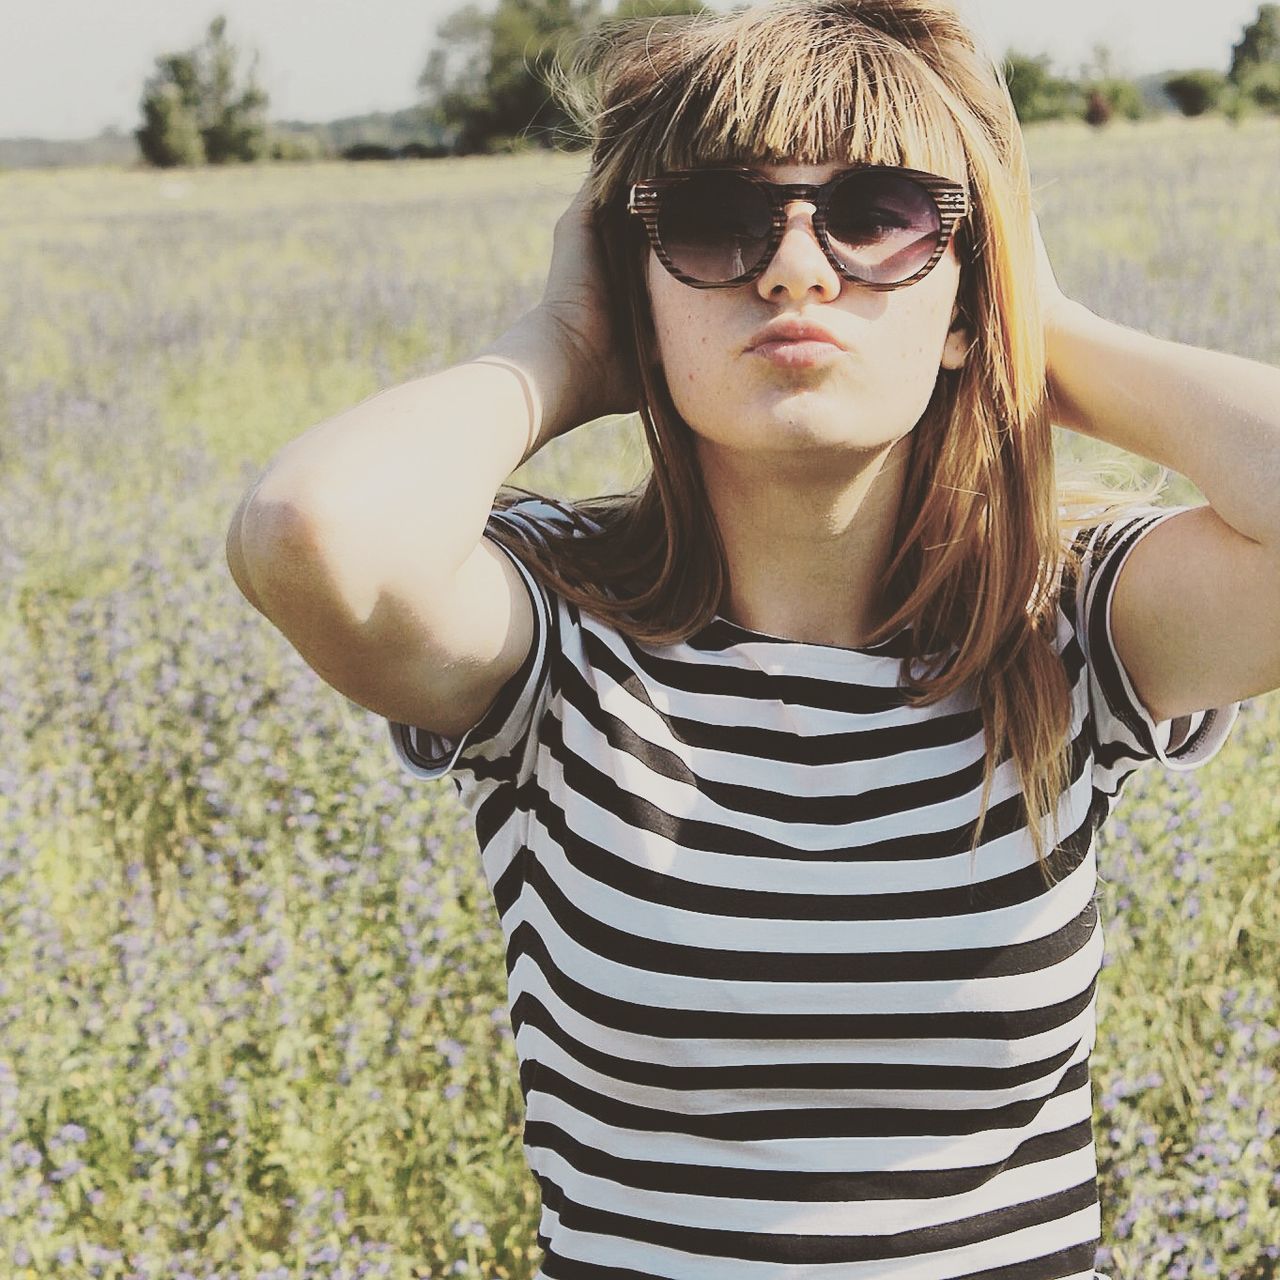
862 396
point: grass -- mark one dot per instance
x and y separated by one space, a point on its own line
252 1000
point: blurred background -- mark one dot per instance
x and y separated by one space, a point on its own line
253 1020
297 79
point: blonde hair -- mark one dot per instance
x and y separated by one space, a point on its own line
984 532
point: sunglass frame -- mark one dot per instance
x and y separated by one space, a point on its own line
950 198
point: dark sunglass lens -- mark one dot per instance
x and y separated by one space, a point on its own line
884 227
714 227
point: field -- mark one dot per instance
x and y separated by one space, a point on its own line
252 1000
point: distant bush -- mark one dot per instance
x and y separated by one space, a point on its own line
1098 110
295 147
1037 93
1196 92
380 151
368 151
423 151
1236 106
1261 85
1122 96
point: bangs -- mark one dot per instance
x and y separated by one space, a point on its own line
791 83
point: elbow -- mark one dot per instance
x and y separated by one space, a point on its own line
236 561
265 537
261 541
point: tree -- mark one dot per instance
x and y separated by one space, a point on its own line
170 131
1255 63
1037 93
194 111
1196 92
486 81
233 121
1259 45
488 78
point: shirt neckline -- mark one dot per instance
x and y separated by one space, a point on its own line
886 648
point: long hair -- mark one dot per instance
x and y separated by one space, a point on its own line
983 536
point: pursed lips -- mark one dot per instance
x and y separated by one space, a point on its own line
792 343
792 331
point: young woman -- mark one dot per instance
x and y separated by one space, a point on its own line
786 766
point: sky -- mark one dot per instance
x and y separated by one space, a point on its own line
70 68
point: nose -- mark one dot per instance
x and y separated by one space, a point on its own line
799 266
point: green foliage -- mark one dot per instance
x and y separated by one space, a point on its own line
233 119
654 9
411 131
195 111
1255 64
295 146
1099 95
1260 86
379 151
1122 97
1038 94
1259 44
1108 93
486 80
170 132
1196 92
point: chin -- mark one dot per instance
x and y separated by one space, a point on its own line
801 418
797 436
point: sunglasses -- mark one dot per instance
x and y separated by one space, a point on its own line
880 226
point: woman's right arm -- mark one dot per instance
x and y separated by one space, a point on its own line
363 539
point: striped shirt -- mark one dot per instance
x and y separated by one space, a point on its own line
773 1021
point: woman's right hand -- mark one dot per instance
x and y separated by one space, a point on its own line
575 306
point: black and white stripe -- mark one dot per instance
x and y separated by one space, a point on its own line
772 1020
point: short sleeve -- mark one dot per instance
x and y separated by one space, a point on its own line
1124 735
501 745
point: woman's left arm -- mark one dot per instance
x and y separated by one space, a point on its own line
1196 609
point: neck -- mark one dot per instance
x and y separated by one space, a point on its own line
806 552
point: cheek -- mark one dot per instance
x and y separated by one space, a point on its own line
919 324
695 380
684 327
